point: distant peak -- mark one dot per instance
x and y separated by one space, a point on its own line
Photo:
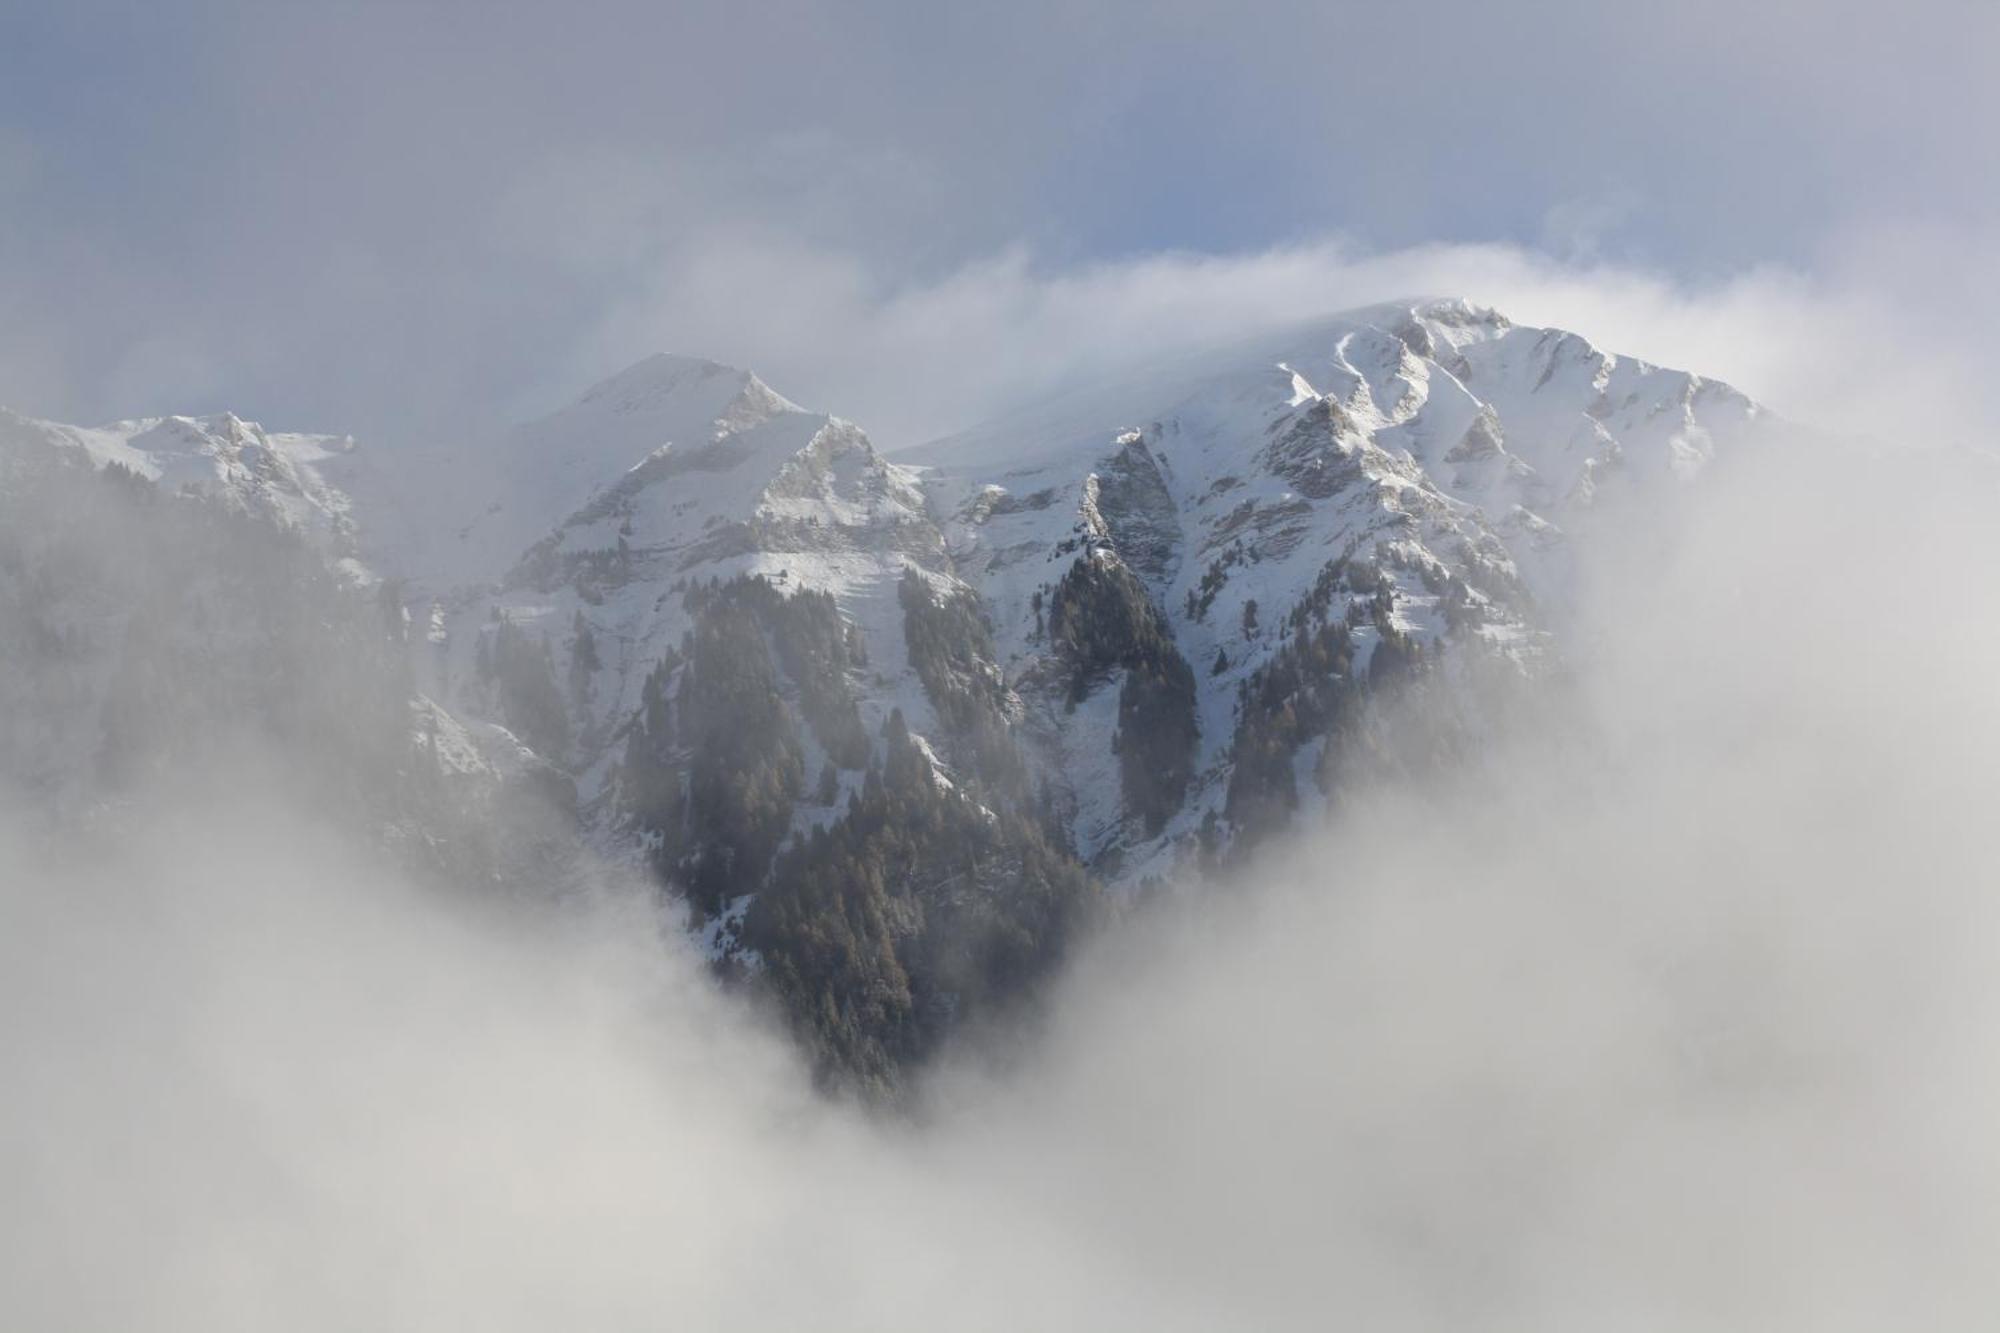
653 377
651 383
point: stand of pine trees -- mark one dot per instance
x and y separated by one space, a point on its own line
922 904
917 911
1101 620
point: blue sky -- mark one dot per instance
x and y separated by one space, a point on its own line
394 218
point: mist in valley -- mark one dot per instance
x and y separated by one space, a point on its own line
1672 1007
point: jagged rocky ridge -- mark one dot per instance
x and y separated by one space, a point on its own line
896 727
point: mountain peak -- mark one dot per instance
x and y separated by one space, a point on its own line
654 382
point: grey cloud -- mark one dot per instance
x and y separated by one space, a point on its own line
1676 1014
401 219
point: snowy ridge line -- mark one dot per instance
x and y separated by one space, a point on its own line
1419 471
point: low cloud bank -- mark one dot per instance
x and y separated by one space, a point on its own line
1679 1015
1884 329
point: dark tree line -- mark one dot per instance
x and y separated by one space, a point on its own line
950 644
917 911
1100 620
1308 689
922 904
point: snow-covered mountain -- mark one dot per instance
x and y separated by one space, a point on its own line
1438 446
716 477
1435 452
887 721
292 480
